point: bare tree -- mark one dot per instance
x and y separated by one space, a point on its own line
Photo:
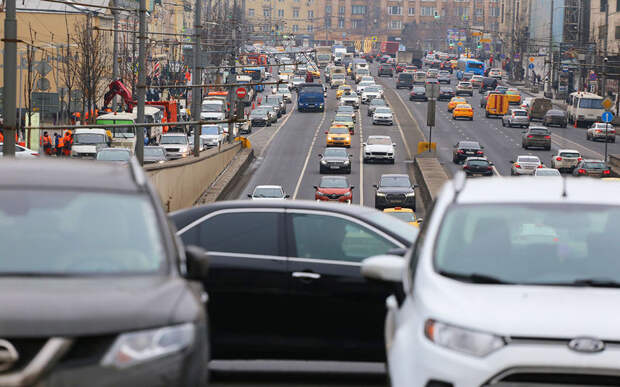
92 64
31 79
66 70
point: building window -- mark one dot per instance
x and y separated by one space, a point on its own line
395 10
396 25
411 11
427 11
328 10
462 12
295 28
358 10
295 13
479 12
266 12
281 13
251 12
309 28
494 11
341 10
358 23
617 6
310 15
618 31
341 23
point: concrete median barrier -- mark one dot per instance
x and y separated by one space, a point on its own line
180 183
430 176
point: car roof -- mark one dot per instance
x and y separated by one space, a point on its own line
476 159
378 136
511 190
466 142
394 175
67 174
173 134
568 150
268 186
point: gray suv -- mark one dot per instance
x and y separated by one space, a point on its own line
106 293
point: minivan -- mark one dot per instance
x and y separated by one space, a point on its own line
405 80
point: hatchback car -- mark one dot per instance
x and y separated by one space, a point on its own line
464 149
516 117
335 160
601 131
565 160
555 117
297 260
395 190
536 136
592 168
477 166
418 93
491 252
525 165
118 300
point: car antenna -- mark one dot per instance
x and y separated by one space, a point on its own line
459 183
564 193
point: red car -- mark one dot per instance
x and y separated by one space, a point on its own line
401 67
334 189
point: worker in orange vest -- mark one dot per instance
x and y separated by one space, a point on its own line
2 137
60 146
46 143
68 142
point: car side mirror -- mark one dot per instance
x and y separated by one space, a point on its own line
491 164
400 251
315 187
196 262
352 187
386 268
481 147
375 186
250 195
363 144
287 196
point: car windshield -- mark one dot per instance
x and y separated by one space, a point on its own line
335 152
469 145
512 92
113 155
556 113
154 152
379 141
210 130
539 131
339 130
464 84
345 109
377 102
404 216
103 233
298 80
383 110
419 90
211 107
89 138
395 181
591 103
520 113
570 154
350 94
547 172
528 159
173 140
283 89
338 76
530 243
366 83
342 118
371 89
478 163
594 165
123 132
334 182
268 192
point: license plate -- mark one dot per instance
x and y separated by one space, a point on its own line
334 167
469 153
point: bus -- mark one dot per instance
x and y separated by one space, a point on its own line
122 137
467 65
584 107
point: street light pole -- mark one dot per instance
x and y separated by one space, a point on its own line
141 82
115 53
10 63
196 75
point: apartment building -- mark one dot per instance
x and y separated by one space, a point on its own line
605 33
275 18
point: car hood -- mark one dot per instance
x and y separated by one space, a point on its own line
334 190
395 190
334 159
378 148
211 114
86 148
56 306
210 137
542 311
168 146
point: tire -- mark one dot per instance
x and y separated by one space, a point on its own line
471 118
486 114
392 161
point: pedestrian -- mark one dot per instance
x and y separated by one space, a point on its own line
68 142
534 77
60 144
46 143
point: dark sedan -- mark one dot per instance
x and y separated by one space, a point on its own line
464 149
446 94
289 285
385 69
592 168
260 118
477 166
536 136
555 117
335 160
418 93
394 190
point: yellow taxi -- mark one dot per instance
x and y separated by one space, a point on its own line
342 89
349 68
404 214
455 101
338 135
346 120
463 110
316 73
514 97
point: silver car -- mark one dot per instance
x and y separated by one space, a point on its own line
525 165
516 117
22 152
601 131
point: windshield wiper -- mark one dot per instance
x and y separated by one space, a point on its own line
594 282
475 278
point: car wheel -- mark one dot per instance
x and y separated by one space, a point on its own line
503 123
471 118
392 161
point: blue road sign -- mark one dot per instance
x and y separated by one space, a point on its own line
530 66
607 117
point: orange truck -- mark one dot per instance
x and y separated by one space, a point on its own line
497 105
170 110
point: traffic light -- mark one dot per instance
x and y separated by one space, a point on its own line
479 45
436 14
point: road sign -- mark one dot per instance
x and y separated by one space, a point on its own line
373 38
485 40
607 117
530 66
460 43
426 146
241 92
607 103
432 90
531 59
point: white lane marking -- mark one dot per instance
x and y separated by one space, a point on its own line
361 129
581 148
402 135
495 172
303 170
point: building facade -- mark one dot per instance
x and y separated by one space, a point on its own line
277 19
605 34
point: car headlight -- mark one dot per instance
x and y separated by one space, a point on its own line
347 162
323 162
320 193
410 194
380 194
134 348
347 193
464 340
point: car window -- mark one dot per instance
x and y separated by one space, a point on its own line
260 233
338 239
539 131
478 163
570 154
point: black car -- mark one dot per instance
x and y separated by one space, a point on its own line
464 149
488 84
418 94
477 166
394 190
154 154
105 295
404 80
335 160
446 93
290 287
555 117
385 69
259 117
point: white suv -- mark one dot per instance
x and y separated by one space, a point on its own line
565 160
504 288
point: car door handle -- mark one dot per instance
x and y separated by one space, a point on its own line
305 275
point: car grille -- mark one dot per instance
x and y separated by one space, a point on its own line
559 377
335 164
172 149
395 197
333 196
378 153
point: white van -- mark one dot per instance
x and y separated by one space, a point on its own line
584 108
87 142
213 109
419 78
152 115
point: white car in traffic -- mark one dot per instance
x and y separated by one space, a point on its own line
379 148
525 165
383 116
370 93
268 192
364 84
507 292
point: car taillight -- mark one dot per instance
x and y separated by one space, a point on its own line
612 131
465 166
606 172
530 136
489 168
579 159
461 151
35 154
581 171
547 137
540 166
479 152
558 158
517 166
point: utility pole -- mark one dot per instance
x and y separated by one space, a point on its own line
10 63
196 75
233 99
604 86
141 82
115 52
549 81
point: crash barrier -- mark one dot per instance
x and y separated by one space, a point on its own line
430 177
614 164
180 183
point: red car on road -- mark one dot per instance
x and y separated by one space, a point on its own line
334 189
401 67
